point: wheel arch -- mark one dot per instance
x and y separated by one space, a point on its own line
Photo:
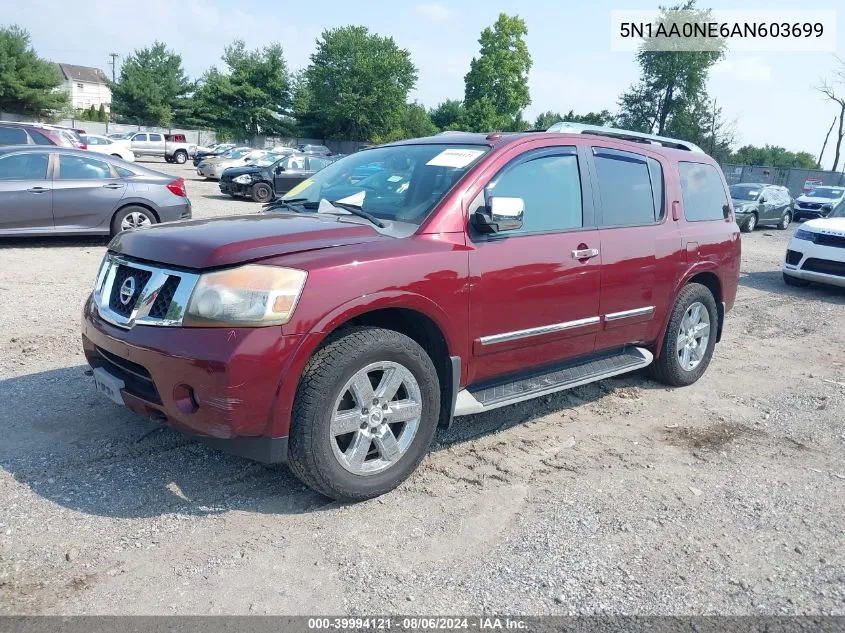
421 327
710 280
132 203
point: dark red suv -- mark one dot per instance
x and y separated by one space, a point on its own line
467 272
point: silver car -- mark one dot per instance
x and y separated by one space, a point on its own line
53 190
213 168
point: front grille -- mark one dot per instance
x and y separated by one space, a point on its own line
793 257
825 266
837 241
810 205
164 298
140 277
135 377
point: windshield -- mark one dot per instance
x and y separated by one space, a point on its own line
401 183
236 153
825 192
745 192
267 160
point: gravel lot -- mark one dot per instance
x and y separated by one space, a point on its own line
619 497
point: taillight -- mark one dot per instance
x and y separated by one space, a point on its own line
178 187
83 146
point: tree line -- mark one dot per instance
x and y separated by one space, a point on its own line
357 85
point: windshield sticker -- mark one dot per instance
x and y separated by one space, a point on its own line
456 158
356 198
299 188
395 178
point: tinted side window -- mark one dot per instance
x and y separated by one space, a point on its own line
24 167
139 138
40 139
549 185
626 188
317 163
156 138
13 136
703 192
78 168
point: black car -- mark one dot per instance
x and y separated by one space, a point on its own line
270 176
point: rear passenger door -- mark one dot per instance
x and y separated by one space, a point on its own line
640 251
86 193
26 196
155 145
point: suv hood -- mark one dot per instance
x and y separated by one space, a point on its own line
245 169
818 200
202 244
831 226
738 204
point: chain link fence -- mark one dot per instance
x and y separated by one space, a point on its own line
796 180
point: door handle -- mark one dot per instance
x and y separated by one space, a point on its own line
38 189
113 185
585 253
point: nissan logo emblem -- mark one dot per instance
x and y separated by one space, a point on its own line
127 290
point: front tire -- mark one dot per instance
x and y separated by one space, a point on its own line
180 157
132 217
262 192
690 338
749 226
364 415
785 221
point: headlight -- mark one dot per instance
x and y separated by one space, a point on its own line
803 234
247 296
243 180
100 279
827 207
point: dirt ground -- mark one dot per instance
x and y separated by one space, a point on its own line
620 497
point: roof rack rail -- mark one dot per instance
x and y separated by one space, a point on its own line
626 135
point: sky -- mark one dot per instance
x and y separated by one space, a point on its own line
769 97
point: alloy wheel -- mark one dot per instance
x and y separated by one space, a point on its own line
693 336
375 418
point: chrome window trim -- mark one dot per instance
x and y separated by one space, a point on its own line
627 314
146 298
537 331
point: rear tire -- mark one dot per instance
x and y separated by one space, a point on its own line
132 217
341 388
684 343
180 157
795 281
262 192
785 221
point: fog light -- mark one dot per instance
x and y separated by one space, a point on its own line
186 399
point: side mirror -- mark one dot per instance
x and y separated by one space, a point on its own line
762 199
503 214
280 169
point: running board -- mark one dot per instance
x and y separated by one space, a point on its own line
485 397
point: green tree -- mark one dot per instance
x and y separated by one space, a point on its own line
496 86
547 119
448 114
150 85
28 84
358 83
415 122
672 82
253 96
772 156
101 114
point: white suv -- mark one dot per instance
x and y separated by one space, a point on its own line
817 252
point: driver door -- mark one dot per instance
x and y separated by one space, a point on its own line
289 173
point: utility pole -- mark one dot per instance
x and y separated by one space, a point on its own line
113 62
713 128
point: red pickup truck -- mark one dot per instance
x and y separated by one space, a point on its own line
336 330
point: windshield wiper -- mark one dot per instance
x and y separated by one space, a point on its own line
285 204
355 209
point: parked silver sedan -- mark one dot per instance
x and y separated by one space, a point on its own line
52 190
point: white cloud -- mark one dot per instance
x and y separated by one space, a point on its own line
746 69
434 11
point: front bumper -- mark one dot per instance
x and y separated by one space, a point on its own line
742 218
817 263
809 214
235 189
209 172
221 384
